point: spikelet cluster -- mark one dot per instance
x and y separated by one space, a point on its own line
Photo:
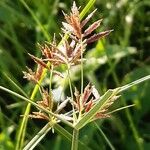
69 52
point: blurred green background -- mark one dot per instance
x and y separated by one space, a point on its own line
122 57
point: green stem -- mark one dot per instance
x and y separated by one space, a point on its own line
70 84
81 76
87 8
127 86
133 127
50 79
81 68
38 137
15 84
105 137
118 109
75 139
127 112
62 131
36 20
80 112
71 91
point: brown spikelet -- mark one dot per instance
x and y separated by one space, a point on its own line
57 50
84 22
60 57
78 50
47 99
75 19
38 61
108 104
89 105
30 75
77 99
39 72
39 115
76 53
98 36
103 112
86 94
34 76
46 51
73 22
92 27
100 116
68 48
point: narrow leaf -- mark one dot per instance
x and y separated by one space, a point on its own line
68 136
127 86
87 8
105 137
15 84
118 109
38 137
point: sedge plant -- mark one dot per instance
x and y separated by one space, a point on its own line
87 105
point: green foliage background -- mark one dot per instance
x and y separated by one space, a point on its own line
122 57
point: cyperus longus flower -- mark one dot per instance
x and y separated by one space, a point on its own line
69 52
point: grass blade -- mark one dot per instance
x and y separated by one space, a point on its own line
68 136
63 132
39 136
87 8
36 19
127 86
121 108
17 86
105 137
75 137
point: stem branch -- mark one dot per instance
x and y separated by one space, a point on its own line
75 139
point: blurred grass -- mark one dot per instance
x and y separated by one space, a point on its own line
121 58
